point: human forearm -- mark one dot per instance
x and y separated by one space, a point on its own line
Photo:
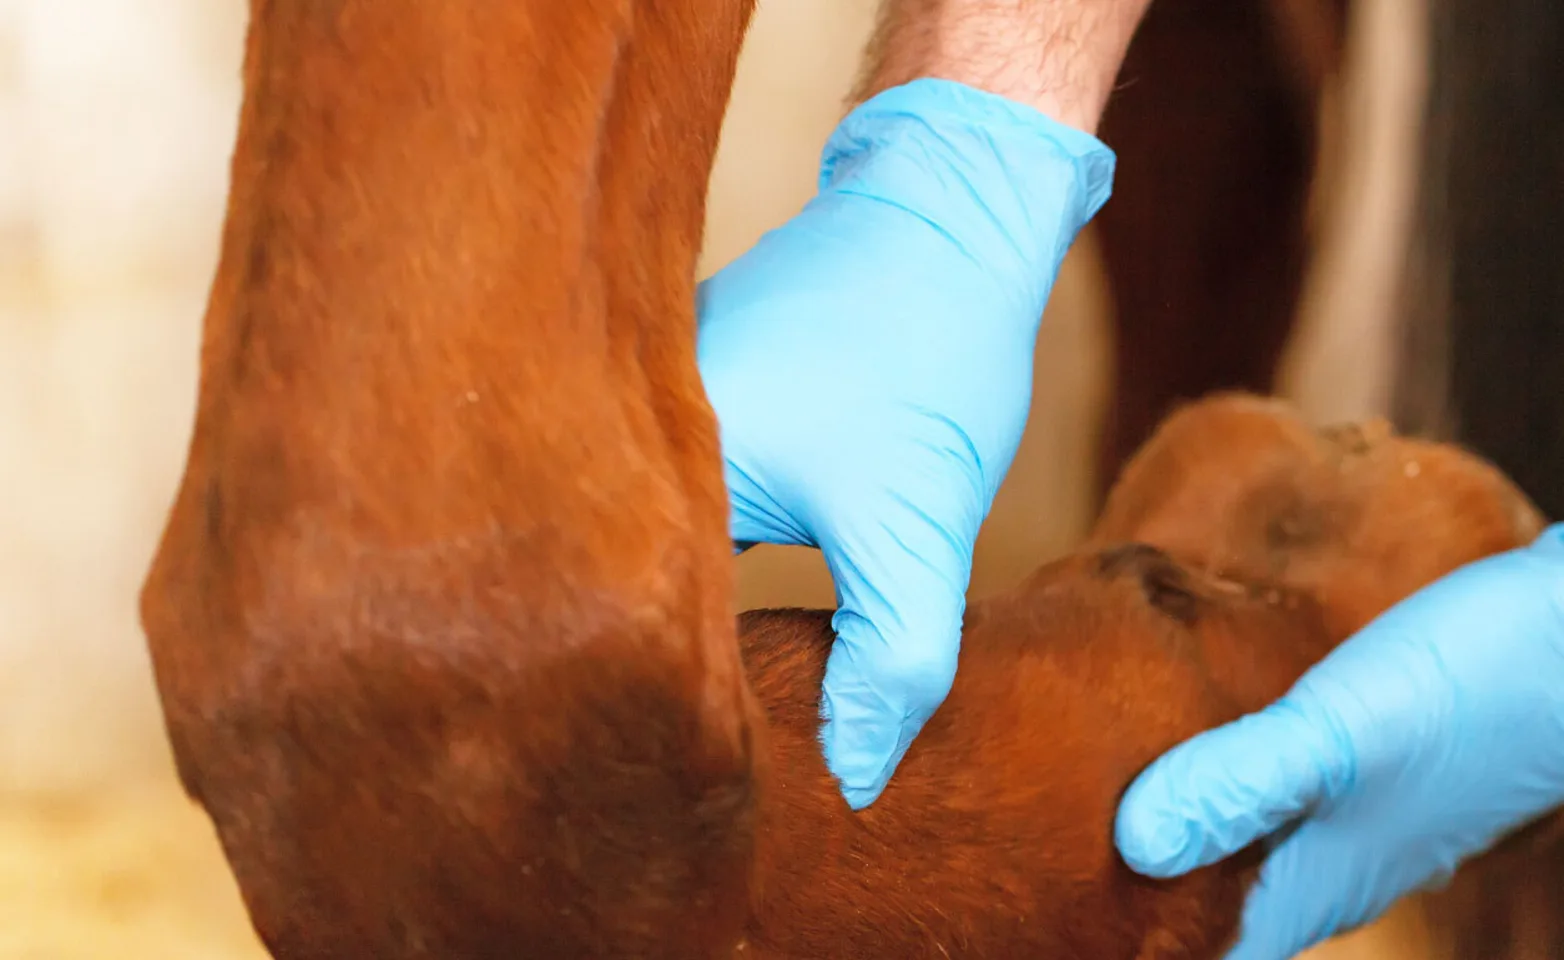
1060 57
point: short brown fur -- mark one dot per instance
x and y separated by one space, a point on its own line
440 616
994 838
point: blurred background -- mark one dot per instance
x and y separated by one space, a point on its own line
116 120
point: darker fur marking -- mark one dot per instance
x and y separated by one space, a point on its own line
1164 583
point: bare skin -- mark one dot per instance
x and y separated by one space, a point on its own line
1060 57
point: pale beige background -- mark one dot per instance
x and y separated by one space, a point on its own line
115 126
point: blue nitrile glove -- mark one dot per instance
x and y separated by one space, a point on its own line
1416 745
870 363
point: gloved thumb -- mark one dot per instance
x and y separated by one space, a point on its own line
1222 790
901 583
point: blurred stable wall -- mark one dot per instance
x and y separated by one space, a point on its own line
116 120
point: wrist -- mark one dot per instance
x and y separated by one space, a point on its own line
1059 57
1006 187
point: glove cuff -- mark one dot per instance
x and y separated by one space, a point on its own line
1009 184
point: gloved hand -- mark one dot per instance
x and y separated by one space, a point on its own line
870 363
1416 745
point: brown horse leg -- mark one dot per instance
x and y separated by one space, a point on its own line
1204 241
440 619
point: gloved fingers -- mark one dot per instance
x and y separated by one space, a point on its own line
1327 879
1226 788
901 586
755 516
1280 920
749 418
